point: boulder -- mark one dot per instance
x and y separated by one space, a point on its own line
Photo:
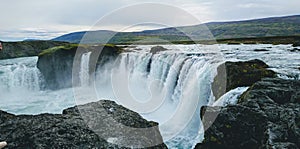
266 116
102 124
239 74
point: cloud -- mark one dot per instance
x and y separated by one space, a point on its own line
47 19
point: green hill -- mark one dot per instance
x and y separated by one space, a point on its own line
267 27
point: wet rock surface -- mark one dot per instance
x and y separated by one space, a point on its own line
295 50
260 50
102 124
267 116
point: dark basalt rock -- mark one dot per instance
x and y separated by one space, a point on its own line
157 49
260 50
274 90
295 50
85 126
235 127
238 74
267 116
56 64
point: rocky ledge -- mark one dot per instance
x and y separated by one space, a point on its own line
267 116
102 124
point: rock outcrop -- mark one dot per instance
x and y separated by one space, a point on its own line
102 124
26 48
238 74
157 49
267 116
56 64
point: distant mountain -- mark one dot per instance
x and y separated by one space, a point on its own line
94 36
266 27
277 26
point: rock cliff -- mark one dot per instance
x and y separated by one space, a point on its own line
58 63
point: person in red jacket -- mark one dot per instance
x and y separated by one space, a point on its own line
0 46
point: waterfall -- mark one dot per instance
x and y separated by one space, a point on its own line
231 97
21 93
20 74
167 87
84 74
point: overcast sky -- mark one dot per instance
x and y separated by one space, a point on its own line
38 19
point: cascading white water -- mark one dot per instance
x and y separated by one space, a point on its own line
168 87
20 75
84 74
21 83
231 97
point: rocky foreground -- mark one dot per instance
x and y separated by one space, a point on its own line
267 116
102 124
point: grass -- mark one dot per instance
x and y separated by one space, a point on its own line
73 46
54 49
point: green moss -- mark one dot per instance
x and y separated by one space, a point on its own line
75 46
109 45
119 49
227 126
213 139
54 49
